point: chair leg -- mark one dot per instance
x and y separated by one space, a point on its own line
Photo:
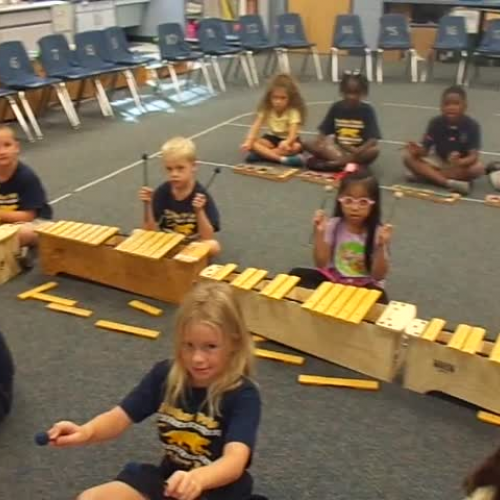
253 67
380 67
413 65
270 58
132 86
428 71
67 104
218 73
229 67
30 114
107 109
305 60
461 68
275 62
206 76
335 65
175 80
284 61
369 64
79 95
20 118
246 70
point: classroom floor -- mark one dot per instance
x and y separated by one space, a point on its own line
314 443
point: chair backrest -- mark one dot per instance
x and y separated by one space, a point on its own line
491 39
15 64
171 41
452 33
55 54
117 47
211 35
252 30
394 32
348 32
290 28
90 48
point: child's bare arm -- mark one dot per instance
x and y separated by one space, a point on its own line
322 250
17 216
253 133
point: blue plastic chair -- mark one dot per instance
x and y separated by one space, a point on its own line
291 36
58 61
254 40
489 48
213 44
348 35
17 73
451 37
118 49
395 34
92 54
174 49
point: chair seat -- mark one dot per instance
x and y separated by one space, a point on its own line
192 56
7 92
485 51
75 73
350 46
31 82
133 59
224 51
103 67
297 45
443 46
395 46
259 46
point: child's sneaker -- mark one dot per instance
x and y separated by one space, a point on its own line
493 172
460 187
293 161
253 158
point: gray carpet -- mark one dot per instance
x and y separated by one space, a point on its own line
314 443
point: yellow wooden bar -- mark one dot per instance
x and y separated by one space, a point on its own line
133 330
57 231
224 272
325 303
274 284
285 288
459 337
194 252
52 227
342 299
495 352
81 231
489 418
474 341
39 289
241 278
352 303
364 307
131 241
88 231
433 329
368 385
254 280
279 356
174 240
154 243
75 311
317 295
147 308
68 234
101 236
258 338
52 299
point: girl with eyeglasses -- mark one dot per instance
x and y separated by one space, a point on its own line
351 248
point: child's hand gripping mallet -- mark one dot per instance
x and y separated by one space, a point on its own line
327 192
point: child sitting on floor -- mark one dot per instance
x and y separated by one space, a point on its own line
349 132
352 247
182 204
449 154
283 111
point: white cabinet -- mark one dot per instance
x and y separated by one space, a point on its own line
95 15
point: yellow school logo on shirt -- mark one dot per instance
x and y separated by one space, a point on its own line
9 202
349 132
189 441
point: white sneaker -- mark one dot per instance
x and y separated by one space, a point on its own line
460 187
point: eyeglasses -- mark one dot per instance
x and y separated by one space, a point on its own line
349 201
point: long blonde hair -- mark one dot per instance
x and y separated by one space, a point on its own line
213 304
295 99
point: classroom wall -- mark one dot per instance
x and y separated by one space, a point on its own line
369 11
319 17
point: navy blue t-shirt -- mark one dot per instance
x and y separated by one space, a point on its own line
352 126
463 136
178 215
24 191
6 378
191 438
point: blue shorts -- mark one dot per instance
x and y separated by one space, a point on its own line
149 481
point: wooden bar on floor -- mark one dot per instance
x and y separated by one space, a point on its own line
146 308
279 356
39 289
75 311
367 385
122 328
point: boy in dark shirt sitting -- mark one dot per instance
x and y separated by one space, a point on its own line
23 200
454 139
182 204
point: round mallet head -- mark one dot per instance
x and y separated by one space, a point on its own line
398 194
144 157
217 170
42 438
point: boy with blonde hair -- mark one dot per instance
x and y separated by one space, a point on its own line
182 204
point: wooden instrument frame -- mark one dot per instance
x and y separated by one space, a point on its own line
277 174
166 279
9 248
325 178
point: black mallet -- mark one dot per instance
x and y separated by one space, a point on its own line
326 196
42 438
217 171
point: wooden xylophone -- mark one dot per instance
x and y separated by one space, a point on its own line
337 323
150 263
278 174
427 194
461 363
325 178
9 248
